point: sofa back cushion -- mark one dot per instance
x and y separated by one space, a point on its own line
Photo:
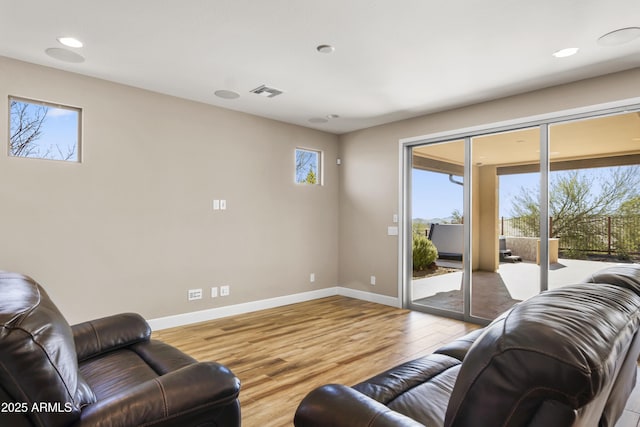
38 364
556 355
623 275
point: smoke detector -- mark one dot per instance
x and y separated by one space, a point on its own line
267 92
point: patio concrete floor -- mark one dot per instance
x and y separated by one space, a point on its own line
522 280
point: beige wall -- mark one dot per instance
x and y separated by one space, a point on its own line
369 174
132 228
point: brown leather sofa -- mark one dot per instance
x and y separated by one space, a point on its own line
566 357
106 372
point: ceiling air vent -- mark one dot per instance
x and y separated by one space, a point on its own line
267 92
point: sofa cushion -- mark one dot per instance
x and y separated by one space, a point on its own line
427 402
38 363
564 345
624 275
419 389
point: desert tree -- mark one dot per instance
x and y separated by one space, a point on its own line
26 127
577 198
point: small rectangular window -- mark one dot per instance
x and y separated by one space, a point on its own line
44 131
308 166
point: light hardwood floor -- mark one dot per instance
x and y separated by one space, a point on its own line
283 353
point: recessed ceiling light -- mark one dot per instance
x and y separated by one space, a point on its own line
70 42
226 94
318 120
620 36
333 116
563 53
325 48
64 55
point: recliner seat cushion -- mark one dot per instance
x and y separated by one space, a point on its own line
118 371
115 373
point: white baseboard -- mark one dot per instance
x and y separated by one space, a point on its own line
369 296
248 307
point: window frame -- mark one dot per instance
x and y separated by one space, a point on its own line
77 158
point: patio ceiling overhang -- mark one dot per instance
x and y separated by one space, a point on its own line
595 142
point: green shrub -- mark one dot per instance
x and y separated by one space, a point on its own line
424 252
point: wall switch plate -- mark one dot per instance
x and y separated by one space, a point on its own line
312 277
214 292
194 294
223 205
216 205
373 280
224 291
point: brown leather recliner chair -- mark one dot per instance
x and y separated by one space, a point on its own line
105 372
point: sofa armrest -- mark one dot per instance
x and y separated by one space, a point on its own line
199 387
338 405
99 336
460 347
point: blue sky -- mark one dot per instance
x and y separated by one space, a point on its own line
60 130
434 196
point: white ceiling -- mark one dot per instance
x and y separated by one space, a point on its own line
393 59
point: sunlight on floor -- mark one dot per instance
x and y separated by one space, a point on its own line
521 279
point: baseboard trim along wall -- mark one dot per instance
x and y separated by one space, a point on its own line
248 307
368 296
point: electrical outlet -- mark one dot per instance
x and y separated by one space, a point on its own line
373 280
224 291
194 294
214 292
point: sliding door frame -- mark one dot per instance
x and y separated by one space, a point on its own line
467 134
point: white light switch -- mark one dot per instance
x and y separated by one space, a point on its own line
392 231
223 205
216 205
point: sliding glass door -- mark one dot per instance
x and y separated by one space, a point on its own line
505 239
495 217
594 195
437 228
